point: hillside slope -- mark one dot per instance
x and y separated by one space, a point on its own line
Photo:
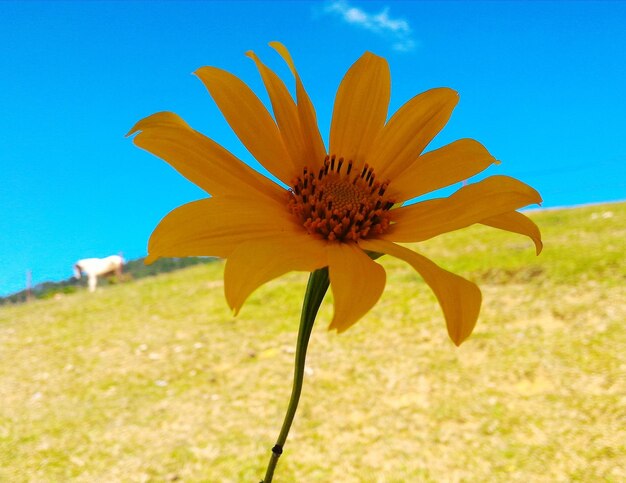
154 380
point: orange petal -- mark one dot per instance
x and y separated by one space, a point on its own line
357 283
256 262
517 223
250 121
471 204
409 131
215 226
286 113
442 167
306 113
360 108
460 299
198 158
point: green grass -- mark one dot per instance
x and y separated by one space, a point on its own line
155 381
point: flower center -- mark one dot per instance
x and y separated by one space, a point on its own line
340 205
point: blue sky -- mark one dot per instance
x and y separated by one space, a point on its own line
542 85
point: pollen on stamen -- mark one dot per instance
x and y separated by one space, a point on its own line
340 206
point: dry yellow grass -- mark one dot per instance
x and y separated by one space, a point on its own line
155 381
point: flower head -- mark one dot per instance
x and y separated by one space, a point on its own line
341 204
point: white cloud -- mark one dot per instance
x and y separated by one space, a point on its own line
398 30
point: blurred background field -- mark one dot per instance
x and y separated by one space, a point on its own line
154 380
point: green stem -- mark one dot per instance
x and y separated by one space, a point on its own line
315 291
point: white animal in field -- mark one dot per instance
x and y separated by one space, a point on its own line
94 267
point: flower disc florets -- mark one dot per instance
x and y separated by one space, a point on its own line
340 205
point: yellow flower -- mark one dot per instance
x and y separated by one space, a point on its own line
341 204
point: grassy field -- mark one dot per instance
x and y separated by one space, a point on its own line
155 381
